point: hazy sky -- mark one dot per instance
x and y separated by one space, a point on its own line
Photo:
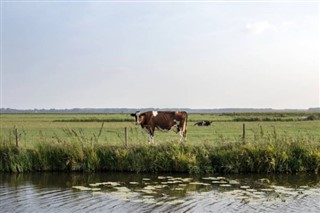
160 54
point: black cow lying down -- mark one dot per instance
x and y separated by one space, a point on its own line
160 120
203 123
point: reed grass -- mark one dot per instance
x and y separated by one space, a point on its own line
265 153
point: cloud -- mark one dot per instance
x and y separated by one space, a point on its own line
259 28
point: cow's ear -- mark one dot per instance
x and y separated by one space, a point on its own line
133 114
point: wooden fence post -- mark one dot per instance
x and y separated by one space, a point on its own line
16 135
126 136
244 133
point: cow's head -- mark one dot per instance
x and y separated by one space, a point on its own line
137 116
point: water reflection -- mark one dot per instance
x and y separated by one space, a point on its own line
120 192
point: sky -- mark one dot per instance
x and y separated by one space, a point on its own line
169 54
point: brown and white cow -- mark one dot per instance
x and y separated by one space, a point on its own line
160 120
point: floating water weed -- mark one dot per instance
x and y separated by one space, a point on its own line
83 188
234 182
146 179
95 193
225 185
149 188
175 202
134 183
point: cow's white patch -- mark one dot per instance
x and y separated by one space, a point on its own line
138 117
154 113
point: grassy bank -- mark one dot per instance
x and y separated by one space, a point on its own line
267 154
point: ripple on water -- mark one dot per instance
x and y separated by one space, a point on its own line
179 194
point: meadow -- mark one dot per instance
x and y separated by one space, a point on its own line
274 142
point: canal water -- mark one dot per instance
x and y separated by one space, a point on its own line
127 192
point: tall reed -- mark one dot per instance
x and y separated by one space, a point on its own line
265 153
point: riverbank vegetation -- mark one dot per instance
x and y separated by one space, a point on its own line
47 144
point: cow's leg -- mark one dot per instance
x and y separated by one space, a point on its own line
183 135
150 138
150 133
183 131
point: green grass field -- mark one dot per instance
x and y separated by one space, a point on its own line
275 143
35 128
